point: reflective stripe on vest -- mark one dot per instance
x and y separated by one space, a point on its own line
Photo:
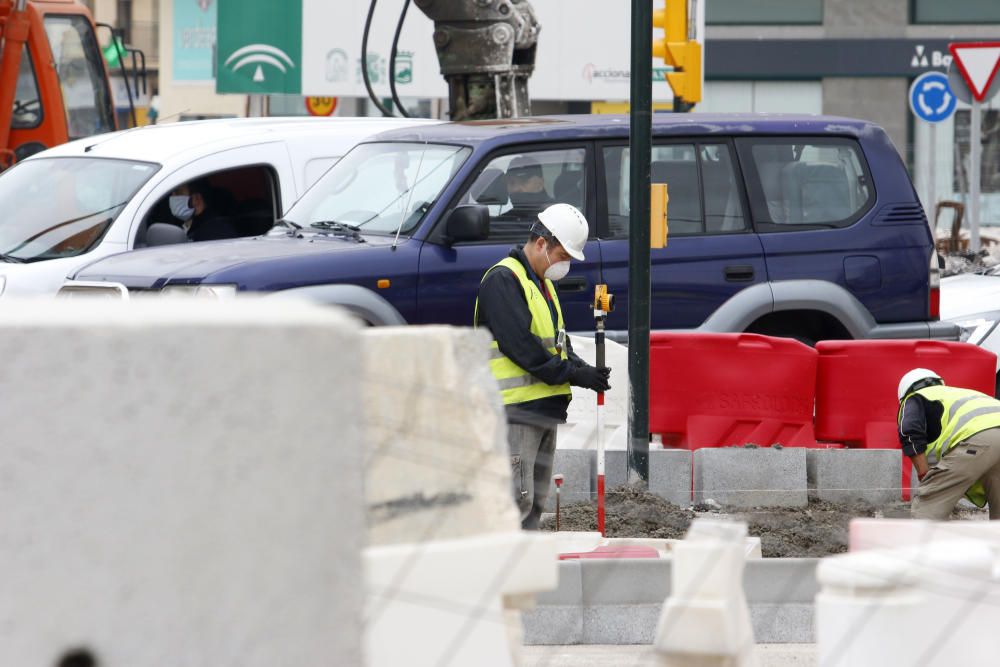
516 384
966 413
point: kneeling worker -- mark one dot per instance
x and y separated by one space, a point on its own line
952 435
531 358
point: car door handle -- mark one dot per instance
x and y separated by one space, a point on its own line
739 273
575 284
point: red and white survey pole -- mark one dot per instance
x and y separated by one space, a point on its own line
604 303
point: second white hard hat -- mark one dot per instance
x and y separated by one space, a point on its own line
913 377
568 226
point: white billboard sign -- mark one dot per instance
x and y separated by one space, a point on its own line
583 51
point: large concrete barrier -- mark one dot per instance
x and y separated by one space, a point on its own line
448 565
181 484
436 461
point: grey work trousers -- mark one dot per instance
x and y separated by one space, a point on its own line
972 460
532 449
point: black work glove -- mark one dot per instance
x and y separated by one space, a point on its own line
590 377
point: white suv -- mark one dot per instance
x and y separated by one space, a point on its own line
70 205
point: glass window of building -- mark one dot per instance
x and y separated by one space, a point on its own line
722 12
955 11
989 174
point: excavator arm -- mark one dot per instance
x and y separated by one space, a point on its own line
487 53
14 26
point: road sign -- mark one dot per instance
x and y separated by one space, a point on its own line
978 63
321 106
961 89
259 47
931 98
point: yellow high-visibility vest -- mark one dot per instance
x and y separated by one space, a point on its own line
966 412
516 384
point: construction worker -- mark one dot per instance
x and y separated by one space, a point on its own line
952 435
531 356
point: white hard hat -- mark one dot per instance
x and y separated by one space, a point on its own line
913 377
568 226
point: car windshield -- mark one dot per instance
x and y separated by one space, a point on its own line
381 187
61 207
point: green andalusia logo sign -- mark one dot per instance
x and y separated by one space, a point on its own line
259 47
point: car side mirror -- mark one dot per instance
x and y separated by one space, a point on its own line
163 233
467 223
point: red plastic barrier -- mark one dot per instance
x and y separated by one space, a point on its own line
712 390
856 386
610 551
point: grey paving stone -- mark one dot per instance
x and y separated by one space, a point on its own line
751 477
553 625
782 623
621 623
615 468
670 475
844 475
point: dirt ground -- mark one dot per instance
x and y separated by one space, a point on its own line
814 531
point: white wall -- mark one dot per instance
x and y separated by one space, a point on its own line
762 97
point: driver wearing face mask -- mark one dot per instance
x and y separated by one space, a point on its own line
180 204
531 358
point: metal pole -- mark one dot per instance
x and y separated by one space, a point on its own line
932 177
640 139
975 169
599 355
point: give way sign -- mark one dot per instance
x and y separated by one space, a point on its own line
978 62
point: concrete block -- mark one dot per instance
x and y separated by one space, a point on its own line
619 601
844 475
624 581
751 477
790 623
442 602
181 483
577 467
621 623
670 475
558 617
706 615
615 468
436 455
865 534
780 580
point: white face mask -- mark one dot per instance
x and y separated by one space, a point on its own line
557 271
180 208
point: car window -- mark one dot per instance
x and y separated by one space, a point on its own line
77 60
27 101
236 202
807 182
384 187
518 186
689 170
62 206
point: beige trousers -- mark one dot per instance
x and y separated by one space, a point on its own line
977 458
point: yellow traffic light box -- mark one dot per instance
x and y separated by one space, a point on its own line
679 49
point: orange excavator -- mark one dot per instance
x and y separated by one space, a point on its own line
54 83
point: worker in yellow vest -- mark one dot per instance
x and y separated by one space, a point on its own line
531 356
952 435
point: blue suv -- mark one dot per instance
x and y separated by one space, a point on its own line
802 226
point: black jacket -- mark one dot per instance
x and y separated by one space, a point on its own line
504 311
920 424
211 227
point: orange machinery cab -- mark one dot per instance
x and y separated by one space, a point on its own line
62 92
